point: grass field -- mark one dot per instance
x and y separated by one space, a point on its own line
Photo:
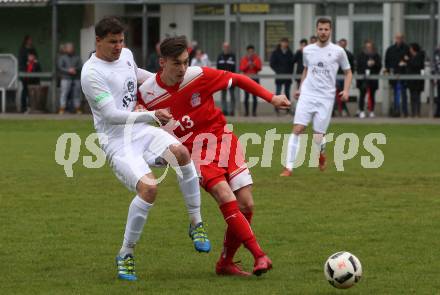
59 235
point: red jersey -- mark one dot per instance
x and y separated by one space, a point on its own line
191 102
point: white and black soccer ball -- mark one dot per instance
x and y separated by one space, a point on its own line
342 270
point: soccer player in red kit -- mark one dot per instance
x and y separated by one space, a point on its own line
187 93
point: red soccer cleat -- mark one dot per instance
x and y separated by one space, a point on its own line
230 269
286 172
262 265
322 162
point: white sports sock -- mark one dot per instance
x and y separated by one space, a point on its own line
137 215
318 145
292 150
189 185
323 144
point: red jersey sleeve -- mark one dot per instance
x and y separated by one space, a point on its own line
217 79
249 85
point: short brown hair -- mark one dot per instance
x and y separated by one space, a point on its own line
173 46
323 20
109 24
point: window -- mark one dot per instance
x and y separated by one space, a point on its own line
210 36
275 30
331 9
209 9
368 8
417 31
249 35
419 8
363 31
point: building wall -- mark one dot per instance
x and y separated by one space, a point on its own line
37 22
176 20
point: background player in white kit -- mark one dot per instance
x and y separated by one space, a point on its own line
109 81
317 92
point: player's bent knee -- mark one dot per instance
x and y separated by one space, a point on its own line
147 192
181 153
247 206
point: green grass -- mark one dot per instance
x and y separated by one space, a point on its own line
59 235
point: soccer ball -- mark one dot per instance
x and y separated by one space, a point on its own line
342 270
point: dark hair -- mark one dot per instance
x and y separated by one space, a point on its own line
109 25
415 47
173 46
284 40
25 40
250 47
323 20
343 40
303 41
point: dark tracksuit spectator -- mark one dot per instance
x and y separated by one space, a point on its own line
437 72
342 105
298 60
226 61
153 60
281 62
416 64
250 65
396 59
26 49
368 63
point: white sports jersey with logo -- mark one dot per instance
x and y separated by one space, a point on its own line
106 82
322 66
111 88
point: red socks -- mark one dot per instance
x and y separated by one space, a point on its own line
239 231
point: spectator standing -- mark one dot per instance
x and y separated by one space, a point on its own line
250 65
437 72
313 39
153 60
69 67
200 59
192 48
416 66
368 62
281 62
26 64
298 59
340 104
396 59
226 61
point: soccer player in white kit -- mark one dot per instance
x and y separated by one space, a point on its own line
317 92
109 81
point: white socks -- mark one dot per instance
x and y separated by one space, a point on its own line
292 150
137 215
189 185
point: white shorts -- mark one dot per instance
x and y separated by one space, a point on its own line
132 161
317 110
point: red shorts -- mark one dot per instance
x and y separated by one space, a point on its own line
219 158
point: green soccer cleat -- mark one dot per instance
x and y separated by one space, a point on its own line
200 238
125 266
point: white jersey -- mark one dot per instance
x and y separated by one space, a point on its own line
110 89
322 66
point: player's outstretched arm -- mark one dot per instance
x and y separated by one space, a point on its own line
280 102
249 85
110 113
348 76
